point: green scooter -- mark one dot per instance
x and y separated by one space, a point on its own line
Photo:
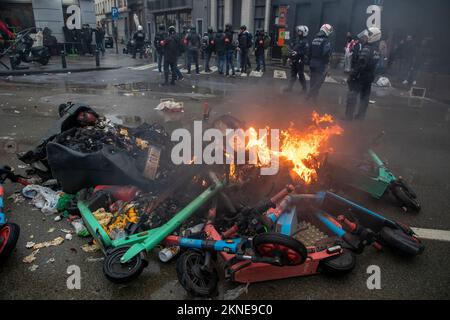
125 257
374 178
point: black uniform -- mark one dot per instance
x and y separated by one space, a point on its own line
139 40
360 80
319 57
172 47
299 51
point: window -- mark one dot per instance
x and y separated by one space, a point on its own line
260 14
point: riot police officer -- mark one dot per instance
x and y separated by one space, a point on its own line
319 58
139 40
362 73
298 52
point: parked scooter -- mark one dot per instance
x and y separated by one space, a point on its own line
25 52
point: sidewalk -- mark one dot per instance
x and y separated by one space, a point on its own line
75 63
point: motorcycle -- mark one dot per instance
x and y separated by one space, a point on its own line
25 52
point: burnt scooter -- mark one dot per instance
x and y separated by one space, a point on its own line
25 52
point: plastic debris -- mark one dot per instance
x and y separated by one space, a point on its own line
51 260
30 244
31 257
80 228
51 230
90 248
68 236
170 105
34 267
167 254
90 259
42 198
383 82
58 218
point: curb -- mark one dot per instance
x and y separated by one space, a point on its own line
31 72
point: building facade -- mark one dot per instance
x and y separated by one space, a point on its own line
23 14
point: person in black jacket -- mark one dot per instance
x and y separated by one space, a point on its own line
139 41
172 45
193 43
299 50
159 45
260 48
229 49
362 74
100 38
219 43
245 43
86 39
209 47
319 58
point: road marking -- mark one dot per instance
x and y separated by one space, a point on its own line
257 74
144 67
432 234
329 79
279 74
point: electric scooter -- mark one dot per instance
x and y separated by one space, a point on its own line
374 178
25 52
9 232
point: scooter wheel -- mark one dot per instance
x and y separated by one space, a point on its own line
119 272
290 251
405 198
9 234
196 280
338 265
44 61
400 241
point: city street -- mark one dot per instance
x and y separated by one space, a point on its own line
413 137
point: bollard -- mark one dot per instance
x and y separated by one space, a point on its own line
12 62
97 58
63 59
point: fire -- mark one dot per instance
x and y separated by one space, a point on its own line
300 148
303 148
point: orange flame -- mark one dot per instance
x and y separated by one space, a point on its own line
300 148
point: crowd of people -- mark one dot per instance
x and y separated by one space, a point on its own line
232 50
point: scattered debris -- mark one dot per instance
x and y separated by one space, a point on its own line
68 236
383 82
90 259
42 198
51 230
58 218
90 248
31 257
51 260
30 244
55 242
170 105
33 268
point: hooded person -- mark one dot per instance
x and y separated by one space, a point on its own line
319 59
208 46
245 43
362 73
193 44
229 49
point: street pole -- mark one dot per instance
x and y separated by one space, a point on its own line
115 35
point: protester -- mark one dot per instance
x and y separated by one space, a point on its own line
86 39
245 43
319 58
193 43
100 38
262 42
172 46
208 47
299 50
219 42
229 48
159 46
363 74
351 42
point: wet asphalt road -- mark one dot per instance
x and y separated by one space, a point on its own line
416 144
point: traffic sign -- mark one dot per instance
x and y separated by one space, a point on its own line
115 13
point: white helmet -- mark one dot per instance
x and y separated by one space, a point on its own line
140 28
303 29
373 35
327 29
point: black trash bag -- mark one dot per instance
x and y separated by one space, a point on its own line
109 166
